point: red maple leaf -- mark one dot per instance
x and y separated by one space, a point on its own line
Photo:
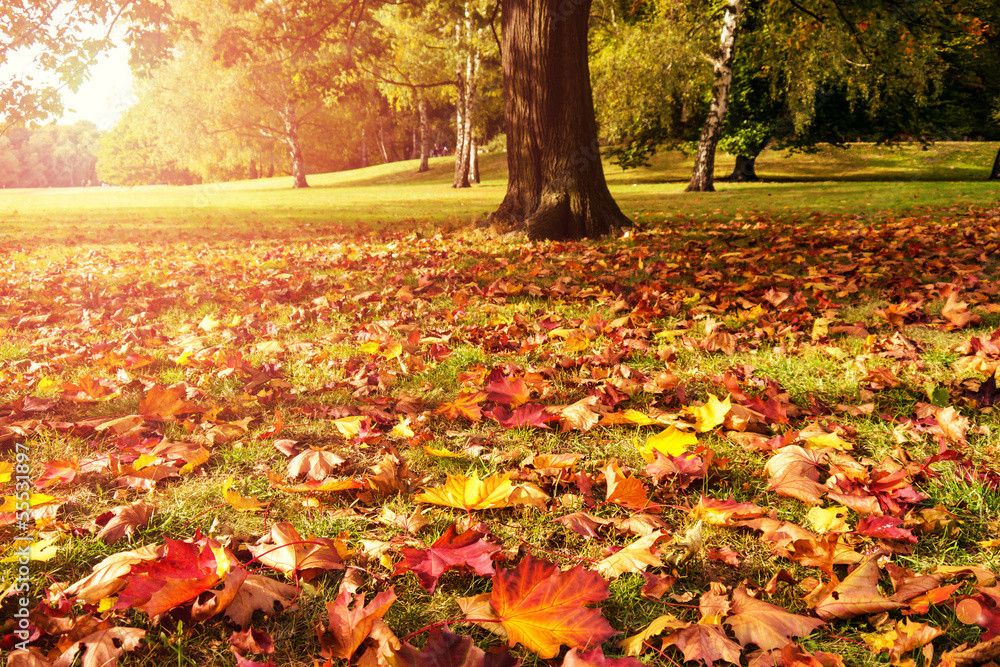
451 550
509 392
526 415
186 570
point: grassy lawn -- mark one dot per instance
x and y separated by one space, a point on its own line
765 417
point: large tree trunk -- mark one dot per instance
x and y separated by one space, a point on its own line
295 147
425 135
745 169
711 132
995 175
556 187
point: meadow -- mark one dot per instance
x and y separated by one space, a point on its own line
245 424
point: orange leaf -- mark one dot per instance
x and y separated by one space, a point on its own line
543 608
164 404
626 491
465 405
768 626
856 595
349 627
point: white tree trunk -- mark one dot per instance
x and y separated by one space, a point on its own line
711 132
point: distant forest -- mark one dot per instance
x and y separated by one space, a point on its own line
52 156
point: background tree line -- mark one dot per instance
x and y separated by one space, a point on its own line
247 89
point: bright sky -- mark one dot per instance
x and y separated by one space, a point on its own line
105 96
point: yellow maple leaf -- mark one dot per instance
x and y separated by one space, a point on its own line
402 430
6 471
711 414
441 453
348 426
471 493
671 442
828 441
238 501
828 519
42 550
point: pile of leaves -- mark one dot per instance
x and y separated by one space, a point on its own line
755 442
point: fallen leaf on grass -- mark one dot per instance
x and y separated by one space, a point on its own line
103 647
349 625
705 643
446 649
543 608
469 493
635 557
285 551
239 502
766 625
452 550
636 644
123 521
185 571
856 595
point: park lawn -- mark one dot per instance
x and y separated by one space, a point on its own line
339 358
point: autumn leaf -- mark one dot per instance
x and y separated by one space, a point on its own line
526 415
580 416
724 512
670 442
351 622
452 550
260 594
315 464
635 557
705 643
469 493
768 626
444 648
625 490
103 646
508 392
123 521
465 405
886 527
795 472
711 414
856 595
596 658
237 501
902 638
636 644
285 551
543 608
184 572
164 404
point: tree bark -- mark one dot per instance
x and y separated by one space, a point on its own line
466 105
711 132
295 147
473 160
556 187
425 136
995 175
745 169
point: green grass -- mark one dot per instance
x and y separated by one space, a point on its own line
861 179
298 281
